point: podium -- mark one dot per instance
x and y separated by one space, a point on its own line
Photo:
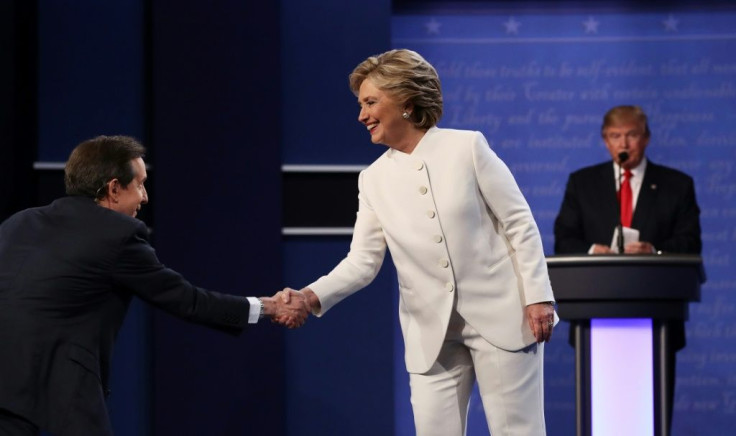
627 301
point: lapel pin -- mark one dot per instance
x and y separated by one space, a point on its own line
653 186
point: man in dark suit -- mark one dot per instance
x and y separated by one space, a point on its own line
67 274
662 205
664 208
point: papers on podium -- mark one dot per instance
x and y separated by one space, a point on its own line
630 235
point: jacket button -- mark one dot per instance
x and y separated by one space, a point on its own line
419 166
449 286
430 213
437 238
422 190
444 263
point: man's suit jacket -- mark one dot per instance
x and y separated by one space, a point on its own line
67 275
666 214
459 231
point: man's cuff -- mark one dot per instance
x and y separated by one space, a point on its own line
255 311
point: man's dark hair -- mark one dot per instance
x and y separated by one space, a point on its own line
97 161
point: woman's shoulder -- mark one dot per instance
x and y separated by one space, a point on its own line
378 163
441 139
459 134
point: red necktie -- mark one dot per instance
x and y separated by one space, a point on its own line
626 200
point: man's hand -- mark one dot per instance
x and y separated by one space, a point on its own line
601 249
541 317
290 312
639 247
311 298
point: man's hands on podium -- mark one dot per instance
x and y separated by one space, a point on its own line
638 247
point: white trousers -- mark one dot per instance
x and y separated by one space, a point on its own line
510 383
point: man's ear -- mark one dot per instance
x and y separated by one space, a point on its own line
113 190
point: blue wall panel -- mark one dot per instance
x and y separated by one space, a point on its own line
91 73
322 43
340 367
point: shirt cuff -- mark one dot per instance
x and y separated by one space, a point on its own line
254 313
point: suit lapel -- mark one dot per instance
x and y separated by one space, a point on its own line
647 196
608 201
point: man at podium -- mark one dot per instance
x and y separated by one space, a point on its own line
630 204
656 204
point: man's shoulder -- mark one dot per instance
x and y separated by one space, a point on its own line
668 172
81 212
18 218
26 213
592 171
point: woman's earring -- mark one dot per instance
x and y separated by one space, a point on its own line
405 115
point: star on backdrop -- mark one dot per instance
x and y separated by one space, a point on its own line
591 25
670 24
433 27
512 26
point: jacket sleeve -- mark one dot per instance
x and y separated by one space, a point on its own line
362 263
685 235
139 272
569 237
505 200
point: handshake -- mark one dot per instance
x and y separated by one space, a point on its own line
290 308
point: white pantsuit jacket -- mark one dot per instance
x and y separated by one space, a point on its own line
458 227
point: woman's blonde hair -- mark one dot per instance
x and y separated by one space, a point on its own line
408 78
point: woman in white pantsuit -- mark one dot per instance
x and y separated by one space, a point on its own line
476 302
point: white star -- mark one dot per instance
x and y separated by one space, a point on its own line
433 27
670 24
591 25
512 26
